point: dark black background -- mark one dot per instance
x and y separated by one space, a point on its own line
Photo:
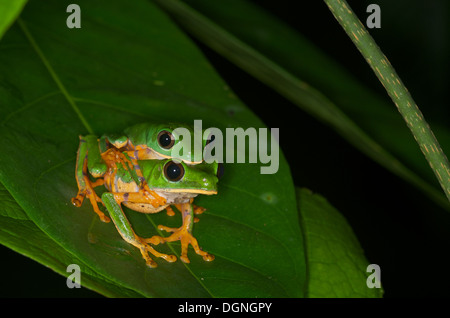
398 227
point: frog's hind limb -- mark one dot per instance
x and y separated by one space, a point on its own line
140 153
183 234
113 156
85 186
113 203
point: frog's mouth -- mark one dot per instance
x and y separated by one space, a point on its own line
195 191
161 156
174 196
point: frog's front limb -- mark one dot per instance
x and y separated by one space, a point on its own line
122 143
113 202
183 234
170 211
197 210
140 153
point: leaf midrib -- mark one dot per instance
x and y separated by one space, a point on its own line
53 74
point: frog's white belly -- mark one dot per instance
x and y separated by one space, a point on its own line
176 197
171 198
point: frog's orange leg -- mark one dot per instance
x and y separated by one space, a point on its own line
80 174
113 156
183 234
142 196
86 189
198 209
144 248
170 211
113 203
140 153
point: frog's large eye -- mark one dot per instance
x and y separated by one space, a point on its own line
166 139
173 171
220 170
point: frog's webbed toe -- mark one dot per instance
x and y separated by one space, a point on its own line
145 249
198 209
93 198
183 234
170 211
185 238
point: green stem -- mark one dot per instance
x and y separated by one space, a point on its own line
397 91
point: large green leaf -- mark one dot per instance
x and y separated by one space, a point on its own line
127 64
337 266
9 11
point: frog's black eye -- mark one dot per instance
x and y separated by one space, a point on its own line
173 171
165 139
220 170
210 139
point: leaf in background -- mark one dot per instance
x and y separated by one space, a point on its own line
336 262
279 56
128 64
9 11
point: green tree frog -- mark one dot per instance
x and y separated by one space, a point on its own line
152 141
147 186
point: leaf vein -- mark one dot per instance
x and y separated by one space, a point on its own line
53 74
28 105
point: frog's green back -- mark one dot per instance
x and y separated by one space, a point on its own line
146 135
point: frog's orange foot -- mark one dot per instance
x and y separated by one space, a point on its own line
78 200
185 237
100 214
93 198
198 209
170 211
103 217
145 249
